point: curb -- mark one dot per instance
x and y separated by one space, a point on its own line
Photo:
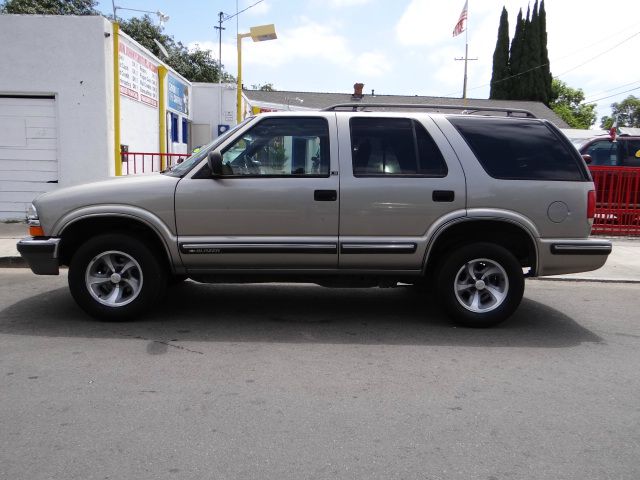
13 262
585 280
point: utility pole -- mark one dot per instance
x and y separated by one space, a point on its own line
466 59
220 28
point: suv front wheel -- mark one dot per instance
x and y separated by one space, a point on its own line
480 284
115 277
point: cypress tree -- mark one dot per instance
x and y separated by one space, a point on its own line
515 58
501 71
532 85
544 54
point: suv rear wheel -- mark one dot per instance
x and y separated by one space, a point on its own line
115 277
480 284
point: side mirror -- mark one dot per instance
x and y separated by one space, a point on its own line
587 159
215 163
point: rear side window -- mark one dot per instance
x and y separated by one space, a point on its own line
519 149
394 147
631 151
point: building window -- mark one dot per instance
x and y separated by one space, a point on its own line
185 131
174 128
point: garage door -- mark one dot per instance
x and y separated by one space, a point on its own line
28 152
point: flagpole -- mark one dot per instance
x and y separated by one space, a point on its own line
463 23
466 56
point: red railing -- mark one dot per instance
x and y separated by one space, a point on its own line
142 162
617 200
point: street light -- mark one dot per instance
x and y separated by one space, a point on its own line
162 18
258 34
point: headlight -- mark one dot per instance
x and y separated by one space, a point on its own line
32 215
33 222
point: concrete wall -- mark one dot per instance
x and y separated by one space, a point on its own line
71 58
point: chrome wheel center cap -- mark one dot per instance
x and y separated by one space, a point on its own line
480 285
115 278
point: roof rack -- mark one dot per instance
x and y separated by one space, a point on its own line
466 109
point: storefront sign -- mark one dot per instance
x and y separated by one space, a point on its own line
178 95
138 76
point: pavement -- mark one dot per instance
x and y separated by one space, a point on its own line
623 265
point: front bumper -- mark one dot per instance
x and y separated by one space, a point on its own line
561 256
41 254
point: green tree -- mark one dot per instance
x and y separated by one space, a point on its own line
627 111
501 71
195 65
50 7
263 87
144 31
546 77
531 72
516 55
569 104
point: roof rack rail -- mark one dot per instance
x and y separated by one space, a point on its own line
466 109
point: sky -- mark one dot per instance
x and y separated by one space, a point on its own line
406 47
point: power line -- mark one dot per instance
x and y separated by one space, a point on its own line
600 92
599 55
545 64
229 17
614 95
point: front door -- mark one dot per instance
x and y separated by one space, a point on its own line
275 207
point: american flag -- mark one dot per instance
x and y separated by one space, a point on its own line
459 28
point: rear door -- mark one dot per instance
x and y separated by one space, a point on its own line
399 179
277 205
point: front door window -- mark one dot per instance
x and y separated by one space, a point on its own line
280 147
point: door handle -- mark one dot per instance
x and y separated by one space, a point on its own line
443 196
325 195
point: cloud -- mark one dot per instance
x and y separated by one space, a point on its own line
347 3
308 42
256 10
371 64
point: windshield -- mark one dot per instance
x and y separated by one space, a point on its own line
183 168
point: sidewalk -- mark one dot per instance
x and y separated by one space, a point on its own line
623 264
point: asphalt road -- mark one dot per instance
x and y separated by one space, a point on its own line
302 382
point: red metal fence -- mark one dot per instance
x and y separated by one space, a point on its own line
143 162
617 200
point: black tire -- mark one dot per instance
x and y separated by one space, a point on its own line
139 283
495 284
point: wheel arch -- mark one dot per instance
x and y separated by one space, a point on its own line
79 229
510 234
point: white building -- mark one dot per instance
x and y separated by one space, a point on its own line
214 110
74 93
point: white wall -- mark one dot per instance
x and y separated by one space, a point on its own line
213 104
71 58
139 126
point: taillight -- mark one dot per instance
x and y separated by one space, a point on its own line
591 204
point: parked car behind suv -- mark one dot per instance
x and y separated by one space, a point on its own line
462 203
624 152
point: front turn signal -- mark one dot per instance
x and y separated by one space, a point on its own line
36 231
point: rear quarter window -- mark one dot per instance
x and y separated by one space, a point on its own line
520 149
